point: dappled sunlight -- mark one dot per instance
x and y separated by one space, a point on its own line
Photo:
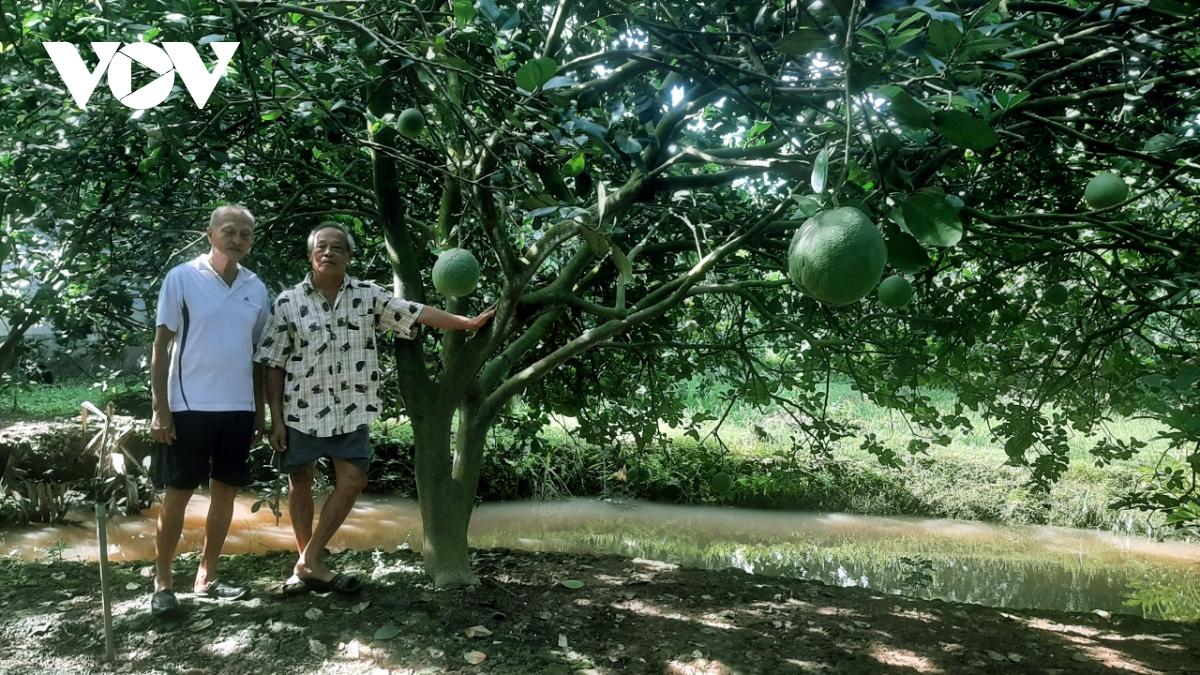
915 615
838 611
1111 658
646 608
696 666
1087 645
902 658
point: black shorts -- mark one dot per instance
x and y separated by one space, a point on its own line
207 445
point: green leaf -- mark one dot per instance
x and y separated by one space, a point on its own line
624 267
574 166
387 632
573 584
807 206
590 128
628 145
908 111
1007 100
904 253
490 9
943 36
820 171
985 45
1171 7
464 12
757 130
559 82
932 220
596 241
964 130
272 115
601 203
536 73
803 41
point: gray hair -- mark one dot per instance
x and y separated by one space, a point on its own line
222 212
330 225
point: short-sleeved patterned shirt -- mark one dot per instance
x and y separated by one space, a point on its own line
330 354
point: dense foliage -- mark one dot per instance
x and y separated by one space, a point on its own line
629 177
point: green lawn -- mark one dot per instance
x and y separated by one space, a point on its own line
892 429
55 401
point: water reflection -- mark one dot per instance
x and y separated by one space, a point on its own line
1039 567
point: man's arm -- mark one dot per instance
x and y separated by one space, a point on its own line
436 318
274 393
260 412
162 423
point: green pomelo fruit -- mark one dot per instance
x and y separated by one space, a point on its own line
411 122
1055 295
1105 190
456 273
837 256
721 482
895 292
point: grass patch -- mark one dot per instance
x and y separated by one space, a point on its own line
36 402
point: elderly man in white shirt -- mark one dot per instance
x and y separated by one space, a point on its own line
322 385
207 394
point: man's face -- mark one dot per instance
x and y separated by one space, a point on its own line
232 237
330 252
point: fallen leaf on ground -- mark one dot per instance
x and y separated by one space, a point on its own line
200 625
573 584
474 658
478 631
313 614
387 632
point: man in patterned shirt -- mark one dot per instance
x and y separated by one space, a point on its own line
322 385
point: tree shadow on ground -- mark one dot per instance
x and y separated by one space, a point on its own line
629 616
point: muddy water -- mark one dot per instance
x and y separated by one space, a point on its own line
1040 567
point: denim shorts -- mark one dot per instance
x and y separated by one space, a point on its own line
304 449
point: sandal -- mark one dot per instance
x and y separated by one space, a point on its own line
342 584
163 603
294 586
219 590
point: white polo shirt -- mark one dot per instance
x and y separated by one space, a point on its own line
216 327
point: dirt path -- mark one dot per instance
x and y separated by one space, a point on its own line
628 617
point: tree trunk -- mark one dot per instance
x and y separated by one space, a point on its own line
445 515
445 503
16 335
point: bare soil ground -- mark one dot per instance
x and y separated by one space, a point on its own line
628 616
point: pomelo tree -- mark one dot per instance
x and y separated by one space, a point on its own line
630 176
